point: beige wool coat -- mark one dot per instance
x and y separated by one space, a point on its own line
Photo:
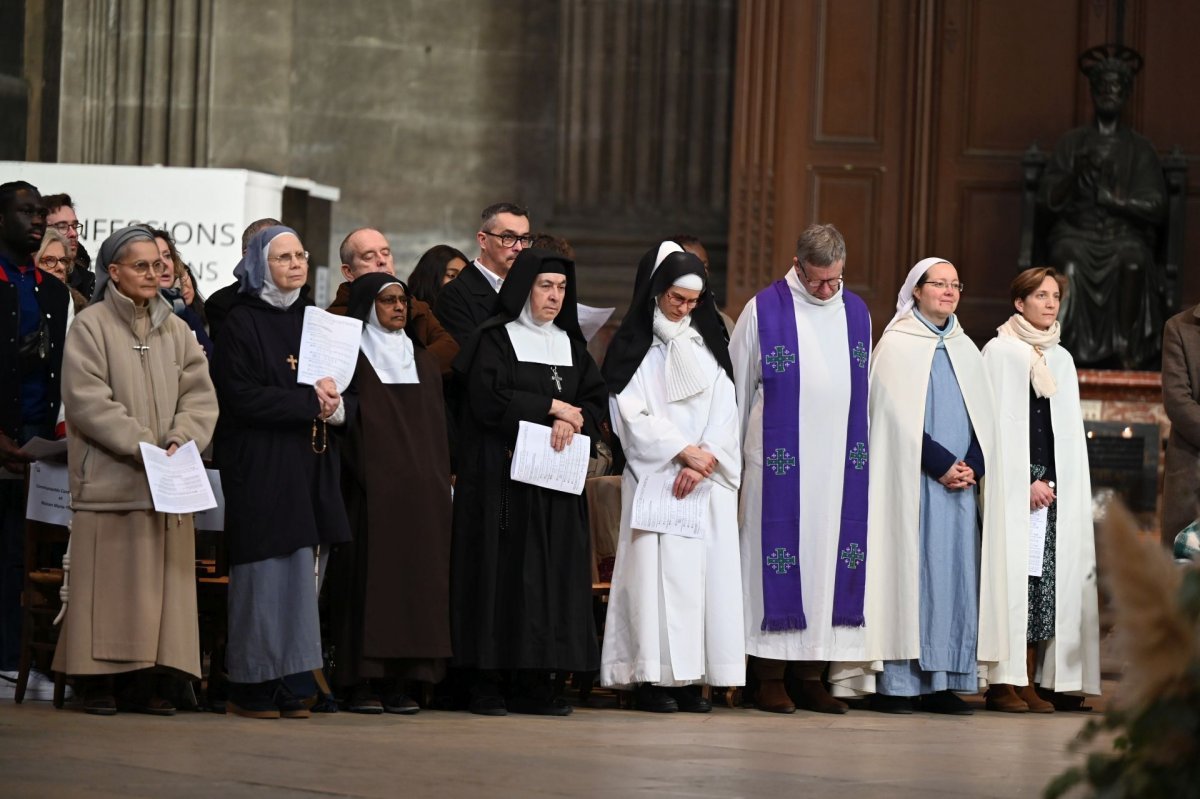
1181 399
130 374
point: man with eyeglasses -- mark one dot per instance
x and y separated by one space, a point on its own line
800 352
366 250
33 324
60 215
473 297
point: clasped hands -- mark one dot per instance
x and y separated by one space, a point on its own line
698 464
568 420
958 477
1040 495
328 396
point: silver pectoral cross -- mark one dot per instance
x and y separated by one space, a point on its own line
556 378
142 349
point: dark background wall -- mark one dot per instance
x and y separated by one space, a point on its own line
618 122
904 122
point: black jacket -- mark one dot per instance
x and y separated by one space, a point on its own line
465 303
54 298
280 495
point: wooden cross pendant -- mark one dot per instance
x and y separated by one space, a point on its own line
291 359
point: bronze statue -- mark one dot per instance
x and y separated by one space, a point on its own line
1105 185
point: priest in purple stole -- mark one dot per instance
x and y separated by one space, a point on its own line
800 353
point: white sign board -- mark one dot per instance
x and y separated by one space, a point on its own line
204 210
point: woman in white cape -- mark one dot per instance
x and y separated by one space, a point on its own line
1053 614
936 604
675 616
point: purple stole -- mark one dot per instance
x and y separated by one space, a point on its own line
783 601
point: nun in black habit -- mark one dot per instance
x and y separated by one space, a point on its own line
520 571
281 477
390 588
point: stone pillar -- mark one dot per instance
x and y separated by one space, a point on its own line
135 78
644 103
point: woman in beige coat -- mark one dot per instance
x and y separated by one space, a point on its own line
132 373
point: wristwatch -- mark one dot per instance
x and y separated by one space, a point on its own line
1051 484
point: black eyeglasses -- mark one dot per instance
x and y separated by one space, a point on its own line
509 239
834 283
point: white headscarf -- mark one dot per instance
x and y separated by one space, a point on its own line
271 293
389 351
685 378
538 342
904 300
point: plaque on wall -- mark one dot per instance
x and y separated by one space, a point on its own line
1124 456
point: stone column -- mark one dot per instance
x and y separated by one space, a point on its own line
135 77
644 102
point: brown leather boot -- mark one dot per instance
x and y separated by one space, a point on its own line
813 696
773 697
1029 692
1004 698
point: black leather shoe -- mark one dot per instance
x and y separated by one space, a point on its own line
946 702
402 704
252 700
653 699
538 706
362 699
487 705
690 699
900 705
290 706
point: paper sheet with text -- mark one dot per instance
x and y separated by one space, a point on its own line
178 483
535 462
656 510
1037 540
328 348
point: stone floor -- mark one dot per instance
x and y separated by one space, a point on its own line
617 753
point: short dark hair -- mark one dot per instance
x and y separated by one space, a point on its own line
9 190
55 201
1031 279
492 211
254 227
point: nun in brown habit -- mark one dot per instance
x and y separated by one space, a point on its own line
390 586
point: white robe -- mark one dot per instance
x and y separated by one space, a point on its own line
1069 662
824 363
899 382
674 610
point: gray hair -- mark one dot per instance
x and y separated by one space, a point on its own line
346 251
820 245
